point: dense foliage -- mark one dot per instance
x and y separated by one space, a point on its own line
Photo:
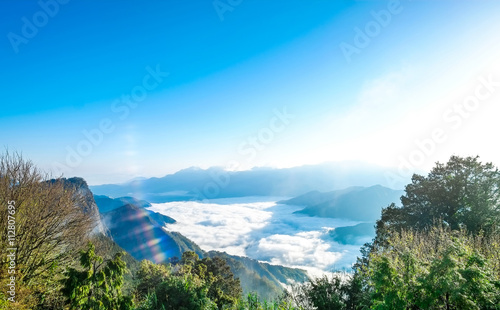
440 250
50 229
98 284
192 283
463 193
439 269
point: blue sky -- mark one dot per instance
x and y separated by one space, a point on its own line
227 72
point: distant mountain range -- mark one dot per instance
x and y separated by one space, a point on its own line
200 184
353 203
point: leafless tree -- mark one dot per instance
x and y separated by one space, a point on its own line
50 224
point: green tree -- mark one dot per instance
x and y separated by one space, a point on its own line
328 294
150 275
223 288
461 193
98 285
192 283
460 279
186 292
394 281
341 291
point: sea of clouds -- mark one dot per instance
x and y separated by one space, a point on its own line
259 228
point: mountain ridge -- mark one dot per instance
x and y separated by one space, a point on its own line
354 203
215 182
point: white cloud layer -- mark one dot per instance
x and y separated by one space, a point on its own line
259 228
